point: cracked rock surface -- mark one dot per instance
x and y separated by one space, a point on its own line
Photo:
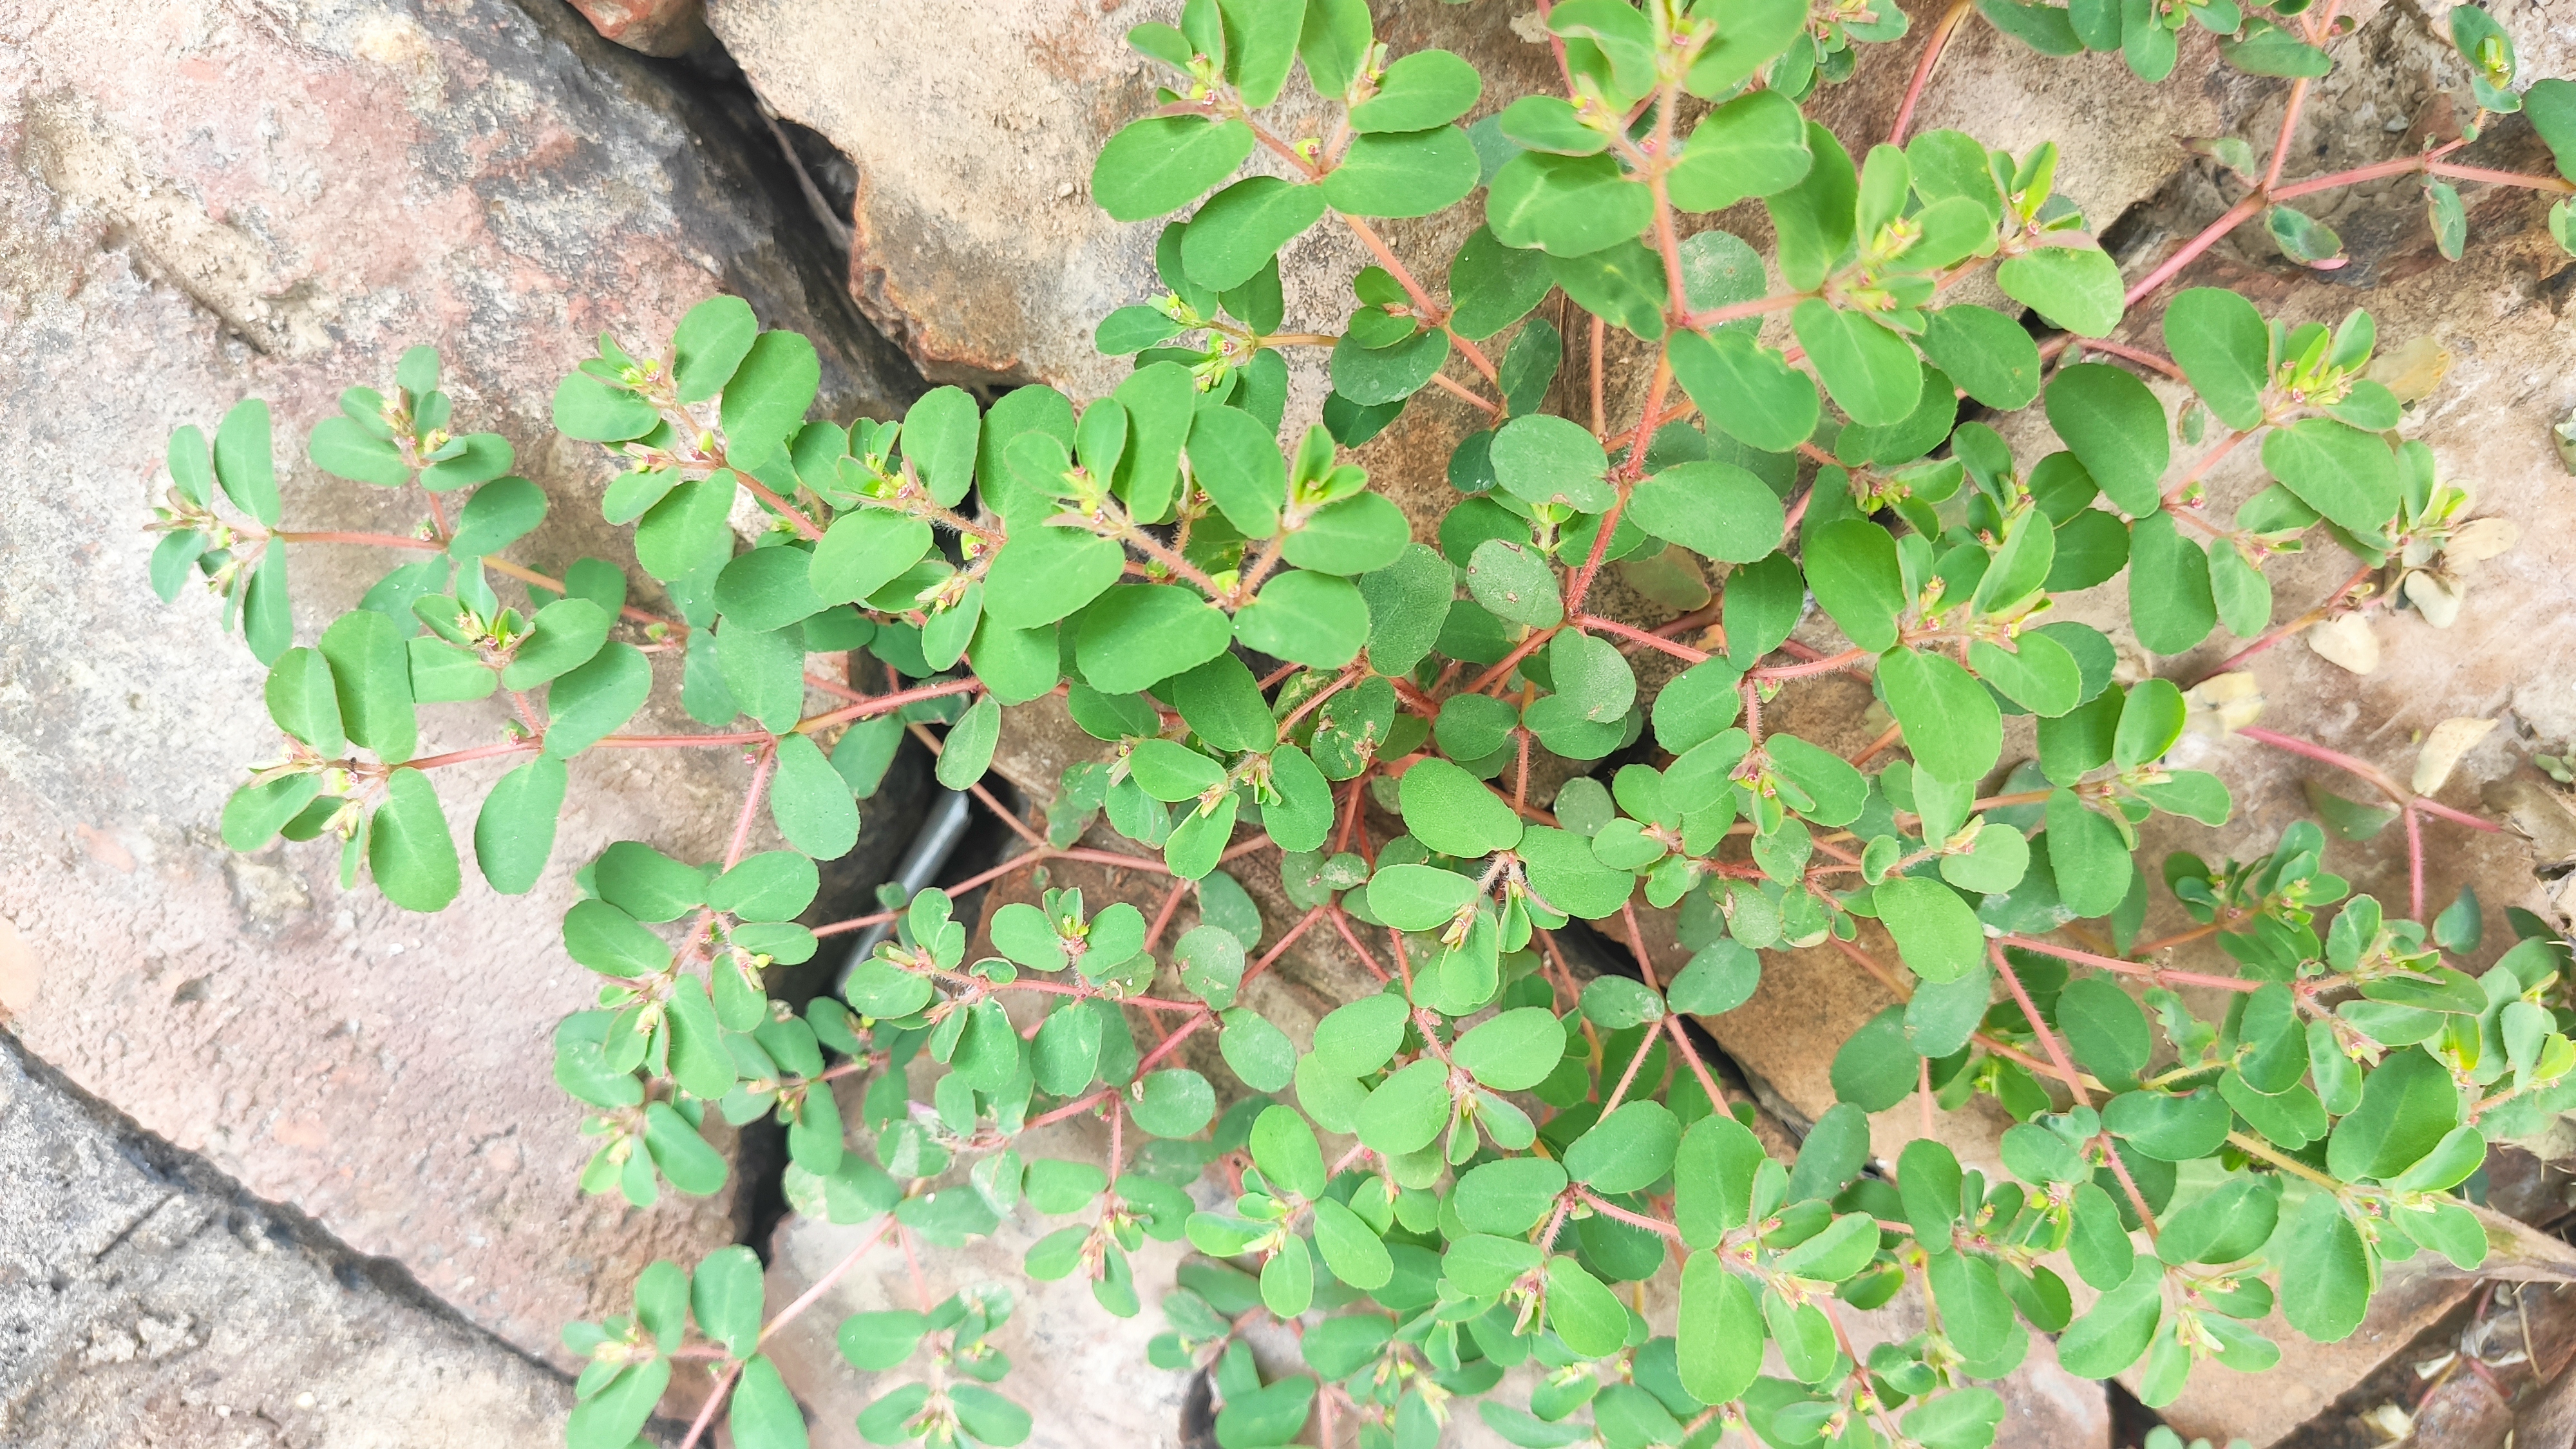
145 1299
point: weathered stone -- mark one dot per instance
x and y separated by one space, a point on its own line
1079 1371
655 27
147 1299
211 202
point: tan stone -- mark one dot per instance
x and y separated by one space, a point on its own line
204 203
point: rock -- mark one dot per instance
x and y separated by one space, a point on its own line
2220 1404
1080 1372
145 1298
201 205
654 27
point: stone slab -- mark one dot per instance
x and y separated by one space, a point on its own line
205 202
145 1299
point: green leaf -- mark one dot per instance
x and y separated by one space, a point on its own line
1318 620
2263 48
1044 574
2551 106
1451 811
1716 510
485 456
686 531
767 397
1418 897
613 1417
1951 724
590 703
609 941
762 1413
2116 429
2407 1106
1260 48
1985 352
725 1296
1163 163
1719 1335
1872 1069
343 448
408 847
1410 173
1175 1102
1236 459
244 463
2171 608
2337 469
515 831
875 1342
968 750
2044 28
1568 206
1240 229
302 702
1425 89
567 634
1852 569
1936 934
2104 1027
1513 1051
1869 371
599 412
1754 145
191 472
255 813
2150 721
1546 459
1287 1152
1492 285
1260 1053
1748 391
771 588
1514 581
1373 376
647 884
1361 1036
810 802
2077 288
268 626
1355 1254
2113 1335
1407 1110
1628 1151
1964 1418
710 342
2325 1270
499 514
1589 1317
1135 637
1360 534
1975 1314
1813 220
2225 348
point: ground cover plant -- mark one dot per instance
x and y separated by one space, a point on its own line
1463 1174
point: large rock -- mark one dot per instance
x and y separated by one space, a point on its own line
203 203
145 1298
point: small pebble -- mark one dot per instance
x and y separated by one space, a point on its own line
2394 125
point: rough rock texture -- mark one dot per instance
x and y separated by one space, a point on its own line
655 27
206 202
147 1299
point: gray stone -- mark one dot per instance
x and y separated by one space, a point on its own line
146 1299
204 203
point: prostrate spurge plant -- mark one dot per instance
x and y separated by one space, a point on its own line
1472 1158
